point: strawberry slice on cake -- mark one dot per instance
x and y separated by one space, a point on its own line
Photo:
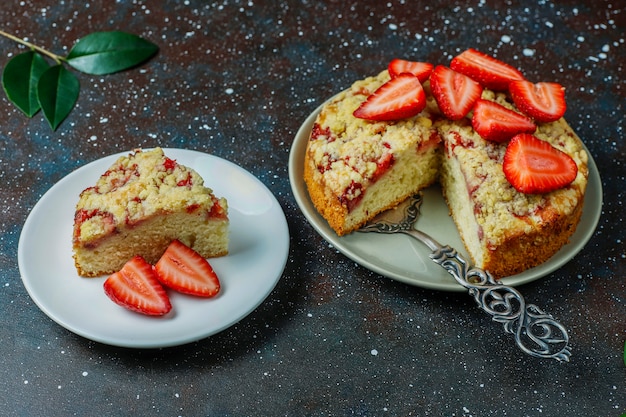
494 122
399 98
534 166
544 101
487 70
456 93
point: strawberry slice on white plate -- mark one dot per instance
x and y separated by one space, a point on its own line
184 270
137 288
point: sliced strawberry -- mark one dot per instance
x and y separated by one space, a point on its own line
137 288
534 166
184 270
487 70
399 66
454 92
399 98
544 102
496 123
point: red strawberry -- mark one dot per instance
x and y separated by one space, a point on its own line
399 66
487 70
400 97
534 166
184 270
496 123
544 102
137 288
454 92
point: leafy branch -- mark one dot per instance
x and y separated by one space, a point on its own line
31 84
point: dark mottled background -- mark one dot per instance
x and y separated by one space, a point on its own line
236 79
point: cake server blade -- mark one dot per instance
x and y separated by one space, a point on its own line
536 332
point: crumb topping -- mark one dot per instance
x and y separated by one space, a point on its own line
138 186
350 153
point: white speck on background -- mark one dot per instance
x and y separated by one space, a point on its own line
85 373
374 352
505 38
528 52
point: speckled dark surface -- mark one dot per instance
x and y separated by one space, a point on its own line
236 79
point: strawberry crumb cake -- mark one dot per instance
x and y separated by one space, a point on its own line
512 170
142 203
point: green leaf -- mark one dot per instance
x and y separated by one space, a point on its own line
19 80
57 92
107 52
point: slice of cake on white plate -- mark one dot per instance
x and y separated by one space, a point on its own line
141 204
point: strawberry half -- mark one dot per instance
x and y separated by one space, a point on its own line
544 102
534 166
487 70
496 123
184 270
399 66
137 288
399 98
454 92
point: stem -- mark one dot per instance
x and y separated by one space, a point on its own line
58 59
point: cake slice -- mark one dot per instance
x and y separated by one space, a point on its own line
506 231
346 156
141 204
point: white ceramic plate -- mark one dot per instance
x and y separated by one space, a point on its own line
259 246
405 259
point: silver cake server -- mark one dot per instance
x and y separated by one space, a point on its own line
536 332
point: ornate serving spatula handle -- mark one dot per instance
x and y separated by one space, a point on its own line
536 332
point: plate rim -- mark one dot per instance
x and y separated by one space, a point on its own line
275 211
593 196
